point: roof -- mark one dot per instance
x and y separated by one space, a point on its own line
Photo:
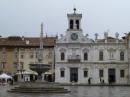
27 41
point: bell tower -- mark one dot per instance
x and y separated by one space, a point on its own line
74 21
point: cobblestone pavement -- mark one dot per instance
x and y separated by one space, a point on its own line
76 91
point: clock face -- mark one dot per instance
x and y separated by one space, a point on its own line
74 36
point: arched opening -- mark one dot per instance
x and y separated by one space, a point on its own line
71 24
77 24
121 56
85 56
62 56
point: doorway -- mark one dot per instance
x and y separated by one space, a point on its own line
73 74
111 75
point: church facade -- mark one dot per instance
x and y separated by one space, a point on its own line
79 59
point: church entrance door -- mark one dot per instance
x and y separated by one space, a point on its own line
73 74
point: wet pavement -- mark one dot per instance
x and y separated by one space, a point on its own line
76 91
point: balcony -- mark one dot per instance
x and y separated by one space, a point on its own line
74 58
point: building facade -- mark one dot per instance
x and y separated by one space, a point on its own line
16 53
83 60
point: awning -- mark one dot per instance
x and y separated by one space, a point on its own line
5 76
27 73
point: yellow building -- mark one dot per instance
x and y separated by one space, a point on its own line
16 53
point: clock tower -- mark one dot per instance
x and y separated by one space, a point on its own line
74 21
74 30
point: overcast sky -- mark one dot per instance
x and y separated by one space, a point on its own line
23 17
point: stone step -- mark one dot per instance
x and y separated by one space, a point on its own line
38 88
40 91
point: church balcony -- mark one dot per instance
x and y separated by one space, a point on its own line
74 58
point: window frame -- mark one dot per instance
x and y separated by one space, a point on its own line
71 23
122 56
15 65
101 55
101 73
85 57
62 73
85 73
3 65
21 65
77 24
62 56
122 73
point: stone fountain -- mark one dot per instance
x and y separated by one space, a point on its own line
40 68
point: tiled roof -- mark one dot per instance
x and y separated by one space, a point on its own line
27 41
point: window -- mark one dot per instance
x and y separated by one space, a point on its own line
31 52
62 56
122 73
86 56
3 52
101 55
22 49
15 65
77 24
3 55
71 24
21 65
62 73
3 65
15 53
22 56
22 53
85 73
121 56
100 73
3 49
